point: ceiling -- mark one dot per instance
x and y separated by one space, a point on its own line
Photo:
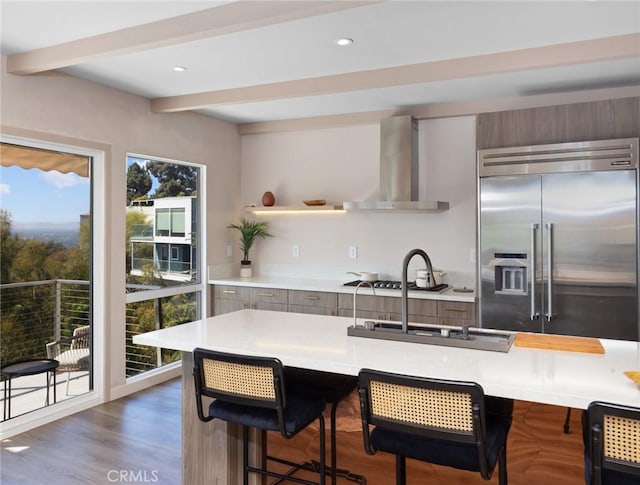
250 62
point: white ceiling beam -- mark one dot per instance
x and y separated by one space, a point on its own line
225 19
571 53
441 110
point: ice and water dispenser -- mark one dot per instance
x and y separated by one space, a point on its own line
510 273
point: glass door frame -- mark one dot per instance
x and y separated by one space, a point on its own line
200 286
98 204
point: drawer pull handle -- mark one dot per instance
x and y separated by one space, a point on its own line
461 310
265 294
229 292
311 297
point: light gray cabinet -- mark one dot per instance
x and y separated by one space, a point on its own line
316 302
387 308
373 307
435 312
456 313
420 311
229 298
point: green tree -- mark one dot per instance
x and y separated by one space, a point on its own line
175 180
8 245
73 263
67 264
138 182
29 261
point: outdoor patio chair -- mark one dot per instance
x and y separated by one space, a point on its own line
72 352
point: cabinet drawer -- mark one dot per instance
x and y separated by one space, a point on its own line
313 298
414 318
269 295
226 292
367 303
313 310
416 306
222 305
457 310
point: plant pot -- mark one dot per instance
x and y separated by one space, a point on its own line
245 269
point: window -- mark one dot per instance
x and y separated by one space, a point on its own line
163 222
177 222
164 239
47 277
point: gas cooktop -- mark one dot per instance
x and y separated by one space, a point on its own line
397 285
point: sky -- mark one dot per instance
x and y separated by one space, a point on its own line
36 197
33 196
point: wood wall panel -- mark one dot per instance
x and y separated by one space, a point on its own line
598 120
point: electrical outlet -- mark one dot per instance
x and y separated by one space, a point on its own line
353 252
472 255
295 251
229 250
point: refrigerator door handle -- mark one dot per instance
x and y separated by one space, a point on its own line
549 313
534 315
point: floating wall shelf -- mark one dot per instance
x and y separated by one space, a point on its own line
295 209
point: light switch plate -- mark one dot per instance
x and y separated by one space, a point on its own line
353 252
295 250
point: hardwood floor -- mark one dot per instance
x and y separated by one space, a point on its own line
538 453
137 440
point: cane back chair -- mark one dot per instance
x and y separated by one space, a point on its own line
613 444
251 392
437 421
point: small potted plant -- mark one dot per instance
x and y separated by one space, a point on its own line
249 231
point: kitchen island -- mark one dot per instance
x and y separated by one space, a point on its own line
211 450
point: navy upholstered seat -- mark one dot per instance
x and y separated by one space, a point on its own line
299 412
444 422
617 463
252 392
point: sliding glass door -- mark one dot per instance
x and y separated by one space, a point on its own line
46 275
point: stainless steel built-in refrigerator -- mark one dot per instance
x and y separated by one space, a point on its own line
558 238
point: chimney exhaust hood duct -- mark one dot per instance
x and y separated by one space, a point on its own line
398 170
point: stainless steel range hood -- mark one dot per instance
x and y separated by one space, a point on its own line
398 170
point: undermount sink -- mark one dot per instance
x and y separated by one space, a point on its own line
470 338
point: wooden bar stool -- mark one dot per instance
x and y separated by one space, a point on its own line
436 421
251 391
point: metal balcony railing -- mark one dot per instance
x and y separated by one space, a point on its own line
35 313
142 231
148 315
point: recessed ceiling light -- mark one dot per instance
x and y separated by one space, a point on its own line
179 68
344 41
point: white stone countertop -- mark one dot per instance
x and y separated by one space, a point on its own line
337 287
563 378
